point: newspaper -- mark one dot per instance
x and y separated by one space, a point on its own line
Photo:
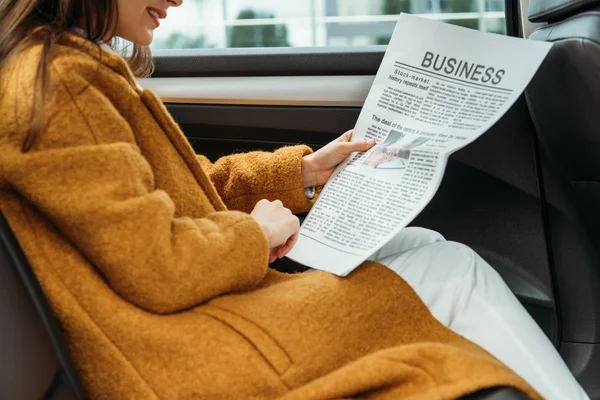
438 89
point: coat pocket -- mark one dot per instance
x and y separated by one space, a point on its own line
264 343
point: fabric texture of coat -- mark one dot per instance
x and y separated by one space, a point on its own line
160 278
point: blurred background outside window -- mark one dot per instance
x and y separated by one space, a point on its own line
306 23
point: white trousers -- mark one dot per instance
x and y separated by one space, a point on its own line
468 296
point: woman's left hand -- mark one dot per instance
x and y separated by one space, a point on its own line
318 166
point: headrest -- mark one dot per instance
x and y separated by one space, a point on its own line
555 10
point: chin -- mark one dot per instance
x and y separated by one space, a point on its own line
143 39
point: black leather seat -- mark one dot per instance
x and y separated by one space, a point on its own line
564 102
34 363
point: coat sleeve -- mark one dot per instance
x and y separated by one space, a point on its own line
101 195
244 179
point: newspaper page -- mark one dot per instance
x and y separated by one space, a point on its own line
438 88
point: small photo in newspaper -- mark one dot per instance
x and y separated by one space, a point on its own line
392 153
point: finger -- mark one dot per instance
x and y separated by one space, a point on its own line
286 248
361 145
273 254
346 137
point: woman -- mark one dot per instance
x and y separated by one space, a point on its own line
164 291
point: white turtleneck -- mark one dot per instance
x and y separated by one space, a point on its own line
105 46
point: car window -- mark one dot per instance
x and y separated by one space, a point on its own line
307 23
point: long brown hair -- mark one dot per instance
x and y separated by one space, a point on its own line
27 22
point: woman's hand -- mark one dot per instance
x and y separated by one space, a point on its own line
279 224
318 166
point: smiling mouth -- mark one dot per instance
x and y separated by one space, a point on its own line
155 16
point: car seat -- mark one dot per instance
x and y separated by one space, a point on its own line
564 103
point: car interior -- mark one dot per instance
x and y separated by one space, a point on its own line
525 195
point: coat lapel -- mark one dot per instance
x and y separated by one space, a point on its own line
183 147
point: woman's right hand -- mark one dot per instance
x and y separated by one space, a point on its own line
279 224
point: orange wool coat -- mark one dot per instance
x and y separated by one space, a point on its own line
163 290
